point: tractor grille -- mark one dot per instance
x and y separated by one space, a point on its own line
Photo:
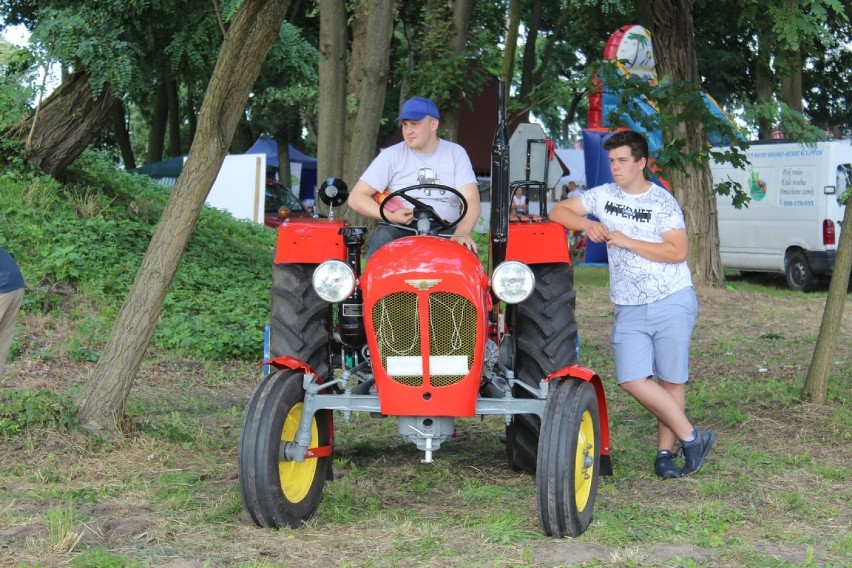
452 336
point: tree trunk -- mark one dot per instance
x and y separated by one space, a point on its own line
244 137
528 63
285 172
763 82
816 383
789 67
159 118
511 41
191 117
174 118
122 136
332 89
791 82
368 75
64 124
246 45
462 10
674 47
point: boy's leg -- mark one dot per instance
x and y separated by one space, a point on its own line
659 402
666 438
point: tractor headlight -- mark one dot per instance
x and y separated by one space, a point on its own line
334 281
513 281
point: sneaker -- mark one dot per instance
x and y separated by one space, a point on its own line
695 451
664 465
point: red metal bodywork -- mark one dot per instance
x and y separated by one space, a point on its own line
448 267
586 374
537 243
310 241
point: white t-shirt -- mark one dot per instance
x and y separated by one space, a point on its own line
635 280
399 166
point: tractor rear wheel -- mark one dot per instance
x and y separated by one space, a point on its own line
569 453
300 320
279 492
546 340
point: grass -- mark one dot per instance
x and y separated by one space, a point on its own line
775 492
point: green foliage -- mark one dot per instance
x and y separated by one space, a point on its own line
100 558
175 427
678 103
21 410
60 521
425 37
793 124
17 77
92 235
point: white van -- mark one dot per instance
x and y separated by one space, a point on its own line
792 223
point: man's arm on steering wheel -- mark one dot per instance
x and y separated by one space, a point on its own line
361 201
462 234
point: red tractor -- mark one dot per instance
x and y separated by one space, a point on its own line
427 335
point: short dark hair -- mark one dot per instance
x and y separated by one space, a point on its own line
636 142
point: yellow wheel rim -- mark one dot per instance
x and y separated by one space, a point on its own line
584 464
297 477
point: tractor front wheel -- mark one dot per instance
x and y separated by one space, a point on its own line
569 452
276 491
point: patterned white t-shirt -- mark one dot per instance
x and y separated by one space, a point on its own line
635 280
399 166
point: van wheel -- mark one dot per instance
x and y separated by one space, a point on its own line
799 274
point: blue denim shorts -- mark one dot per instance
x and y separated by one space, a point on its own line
653 339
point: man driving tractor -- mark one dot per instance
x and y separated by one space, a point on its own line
421 158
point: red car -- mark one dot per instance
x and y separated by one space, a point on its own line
278 198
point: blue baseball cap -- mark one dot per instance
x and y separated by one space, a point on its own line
417 108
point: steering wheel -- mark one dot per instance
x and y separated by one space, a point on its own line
420 207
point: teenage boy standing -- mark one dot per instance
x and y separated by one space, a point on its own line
643 227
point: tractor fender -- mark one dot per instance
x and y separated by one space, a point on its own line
586 374
305 240
525 243
288 362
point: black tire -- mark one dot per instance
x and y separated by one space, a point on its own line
546 339
277 492
799 274
569 456
300 320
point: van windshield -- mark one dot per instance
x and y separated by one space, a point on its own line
844 179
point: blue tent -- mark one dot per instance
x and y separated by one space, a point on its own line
165 172
308 181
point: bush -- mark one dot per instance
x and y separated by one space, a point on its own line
21 410
92 233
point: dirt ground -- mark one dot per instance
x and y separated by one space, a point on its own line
122 477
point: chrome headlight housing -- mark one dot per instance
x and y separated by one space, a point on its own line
334 281
512 281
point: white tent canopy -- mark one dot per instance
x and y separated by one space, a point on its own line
576 164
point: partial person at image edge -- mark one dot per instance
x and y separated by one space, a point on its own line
11 296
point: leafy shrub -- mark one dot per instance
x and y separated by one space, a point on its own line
92 233
21 410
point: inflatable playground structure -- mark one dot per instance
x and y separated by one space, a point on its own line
632 50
